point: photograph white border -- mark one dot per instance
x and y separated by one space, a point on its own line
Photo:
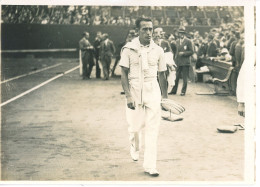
249 170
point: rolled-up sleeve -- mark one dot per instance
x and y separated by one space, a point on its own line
161 63
124 60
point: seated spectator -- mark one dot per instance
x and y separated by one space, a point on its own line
120 21
45 20
112 21
104 20
155 22
168 21
127 21
67 19
76 19
56 14
96 20
83 19
224 55
193 22
133 21
162 21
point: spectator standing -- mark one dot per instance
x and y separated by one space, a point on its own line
194 58
168 55
239 52
87 51
232 48
97 44
107 50
239 57
231 38
212 47
202 51
182 59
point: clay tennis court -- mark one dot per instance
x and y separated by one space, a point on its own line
72 129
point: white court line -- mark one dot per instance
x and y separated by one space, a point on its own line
36 87
33 72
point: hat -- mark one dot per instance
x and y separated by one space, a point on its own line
181 29
211 36
224 50
213 30
132 31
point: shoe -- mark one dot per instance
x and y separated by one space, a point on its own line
152 172
134 154
182 94
172 93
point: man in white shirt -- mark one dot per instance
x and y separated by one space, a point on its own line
141 61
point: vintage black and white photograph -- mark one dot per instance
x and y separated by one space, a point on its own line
128 92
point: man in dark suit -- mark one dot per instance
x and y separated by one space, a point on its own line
182 59
212 48
107 50
130 35
232 48
97 43
202 51
87 51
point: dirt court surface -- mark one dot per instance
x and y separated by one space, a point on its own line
73 129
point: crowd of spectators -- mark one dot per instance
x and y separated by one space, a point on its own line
108 15
223 43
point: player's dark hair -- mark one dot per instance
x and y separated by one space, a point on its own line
139 20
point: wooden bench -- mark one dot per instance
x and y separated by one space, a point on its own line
222 78
223 86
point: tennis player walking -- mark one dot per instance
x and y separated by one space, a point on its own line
141 62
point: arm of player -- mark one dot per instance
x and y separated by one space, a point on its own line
163 84
125 85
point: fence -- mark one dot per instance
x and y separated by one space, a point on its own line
37 36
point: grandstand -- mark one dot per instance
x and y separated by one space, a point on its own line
50 25
119 15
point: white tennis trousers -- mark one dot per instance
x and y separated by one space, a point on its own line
147 117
